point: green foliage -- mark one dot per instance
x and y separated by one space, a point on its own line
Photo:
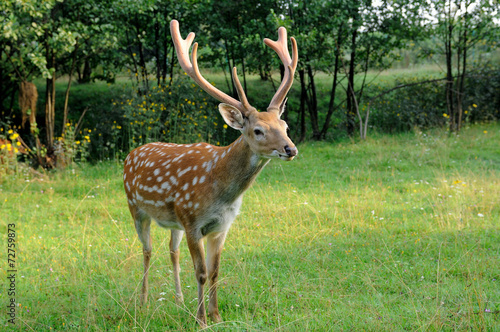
393 233
177 113
424 106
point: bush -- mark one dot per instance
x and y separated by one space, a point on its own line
424 105
178 113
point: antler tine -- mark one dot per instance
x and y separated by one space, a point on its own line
281 48
191 68
239 89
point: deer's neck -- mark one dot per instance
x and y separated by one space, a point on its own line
237 169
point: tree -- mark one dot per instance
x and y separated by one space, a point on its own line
457 26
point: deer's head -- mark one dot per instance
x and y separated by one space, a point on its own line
265 132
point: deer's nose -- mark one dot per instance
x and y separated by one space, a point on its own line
291 152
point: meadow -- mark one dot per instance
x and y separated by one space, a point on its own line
398 232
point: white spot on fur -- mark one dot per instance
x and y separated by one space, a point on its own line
181 173
202 179
156 172
178 157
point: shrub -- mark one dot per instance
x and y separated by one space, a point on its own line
424 106
178 113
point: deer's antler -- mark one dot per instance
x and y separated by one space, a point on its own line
281 48
191 68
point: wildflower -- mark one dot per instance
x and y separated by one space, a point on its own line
225 126
474 105
485 131
480 215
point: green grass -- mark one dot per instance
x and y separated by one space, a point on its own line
394 233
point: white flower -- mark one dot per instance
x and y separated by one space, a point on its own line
480 215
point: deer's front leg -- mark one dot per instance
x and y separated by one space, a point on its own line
200 269
215 242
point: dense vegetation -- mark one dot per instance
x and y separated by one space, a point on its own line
343 46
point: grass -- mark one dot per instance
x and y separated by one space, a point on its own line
394 233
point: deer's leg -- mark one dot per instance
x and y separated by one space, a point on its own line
175 241
143 226
200 268
215 242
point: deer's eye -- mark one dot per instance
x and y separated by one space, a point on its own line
258 132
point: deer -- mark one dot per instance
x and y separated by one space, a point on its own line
197 189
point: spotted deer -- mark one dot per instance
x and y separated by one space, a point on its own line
197 189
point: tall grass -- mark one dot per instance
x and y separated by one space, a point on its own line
395 233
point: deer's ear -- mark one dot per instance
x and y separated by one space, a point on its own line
232 116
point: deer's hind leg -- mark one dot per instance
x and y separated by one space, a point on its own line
143 226
175 241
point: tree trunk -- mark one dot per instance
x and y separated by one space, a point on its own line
461 89
313 104
350 112
50 94
165 52
449 78
244 75
87 71
302 108
66 97
331 104
172 62
28 96
157 46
